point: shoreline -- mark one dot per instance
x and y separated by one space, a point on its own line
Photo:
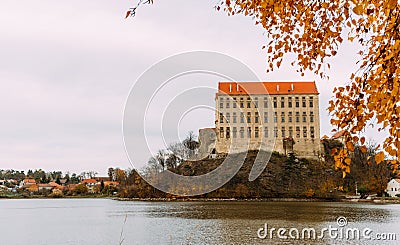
373 201
188 199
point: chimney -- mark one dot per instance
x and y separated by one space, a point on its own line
237 87
292 87
230 88
277 87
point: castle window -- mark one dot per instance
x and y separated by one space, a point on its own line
242 117
282 116
311 116
290 102
256 118
303 100
228 117
297 132
297 102
248 132
311 102
248 104
221 132
297 116
275 132
290 116
312 133
282 102
304 116
248 117
234 117
241 103
228 132
265 102
275 102
242 132
234 132
256 102
290 131
283 132
304 132
228 105
265 117
256 132
266 132
275 116
221 103
221 118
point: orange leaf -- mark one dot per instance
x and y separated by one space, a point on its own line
379 157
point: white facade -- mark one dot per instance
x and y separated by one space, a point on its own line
393 187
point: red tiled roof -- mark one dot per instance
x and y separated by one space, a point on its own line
236 88
29 181
44 185
54 184
338 134
89 181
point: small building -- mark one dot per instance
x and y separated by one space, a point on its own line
43 187
27 182
393 187
90 184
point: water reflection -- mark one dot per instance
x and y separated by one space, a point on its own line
101 221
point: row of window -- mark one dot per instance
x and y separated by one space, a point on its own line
256 117
254 103
226 132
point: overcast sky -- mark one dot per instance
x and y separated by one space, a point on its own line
66 68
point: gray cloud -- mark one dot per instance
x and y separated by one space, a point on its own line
66 68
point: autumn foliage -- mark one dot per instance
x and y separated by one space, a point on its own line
314 30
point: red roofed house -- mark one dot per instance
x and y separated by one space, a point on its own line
273 116
90 183
26 183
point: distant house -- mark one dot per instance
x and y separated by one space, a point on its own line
42 187
338 135
27 182
90 183
393 187
56 186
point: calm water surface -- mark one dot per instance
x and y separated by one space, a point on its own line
101 221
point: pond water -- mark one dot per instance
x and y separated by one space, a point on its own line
105 221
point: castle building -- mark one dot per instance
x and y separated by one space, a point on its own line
272 116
